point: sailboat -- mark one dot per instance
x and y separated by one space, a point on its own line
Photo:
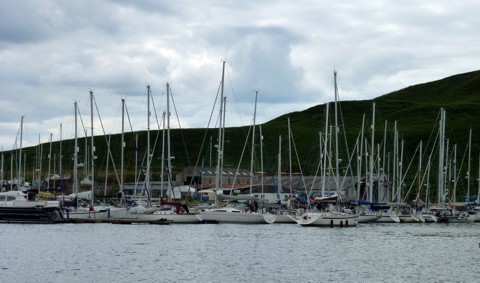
241 214
279 214
180 213
330 216
19 206
77 207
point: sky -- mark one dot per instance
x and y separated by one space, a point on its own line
53 53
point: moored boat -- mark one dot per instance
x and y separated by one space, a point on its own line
327 219
232 215
20 207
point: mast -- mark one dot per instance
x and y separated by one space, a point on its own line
11 170
427 193
122 149
218 177
279 166
420 173
261 156
468 164
325 148
395 160
92 162
337 160
359 159
370 197
20 156
49 160
106 166
454 195
253 143
162 158
36 164
441 185
41 163
60 156
2 176
290 158
136 164
75 156
400 174
384 161
147 177
169 154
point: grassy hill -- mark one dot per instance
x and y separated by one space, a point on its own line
415 109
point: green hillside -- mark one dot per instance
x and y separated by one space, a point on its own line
415 109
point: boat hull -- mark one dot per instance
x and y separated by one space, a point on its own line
232 217
282 218
367 218
85 214
327 220
31 215
172 218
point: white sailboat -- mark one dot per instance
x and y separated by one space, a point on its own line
179 213
279 214
85 209
123 211
333 216
248 215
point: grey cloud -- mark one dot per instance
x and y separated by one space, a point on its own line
53 52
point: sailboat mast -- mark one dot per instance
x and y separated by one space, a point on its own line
370 196
11 170
20 155
427 193
420 173
92 162
253 143
218 179
122 149
169 155
441 152
468 164
395 161
49 160
40 164
136 164
454 178
400 175
147 177
60 156
162 158
384 159
261 156
75 155
290 158
325 149
279 166
359 158
224 113
2 177
337 170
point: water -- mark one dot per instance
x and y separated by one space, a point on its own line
239 253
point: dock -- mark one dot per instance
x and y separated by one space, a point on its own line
117 221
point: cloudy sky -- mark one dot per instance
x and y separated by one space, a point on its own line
53 53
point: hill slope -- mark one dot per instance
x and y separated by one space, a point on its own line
415 110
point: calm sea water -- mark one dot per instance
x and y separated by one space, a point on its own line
239 253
